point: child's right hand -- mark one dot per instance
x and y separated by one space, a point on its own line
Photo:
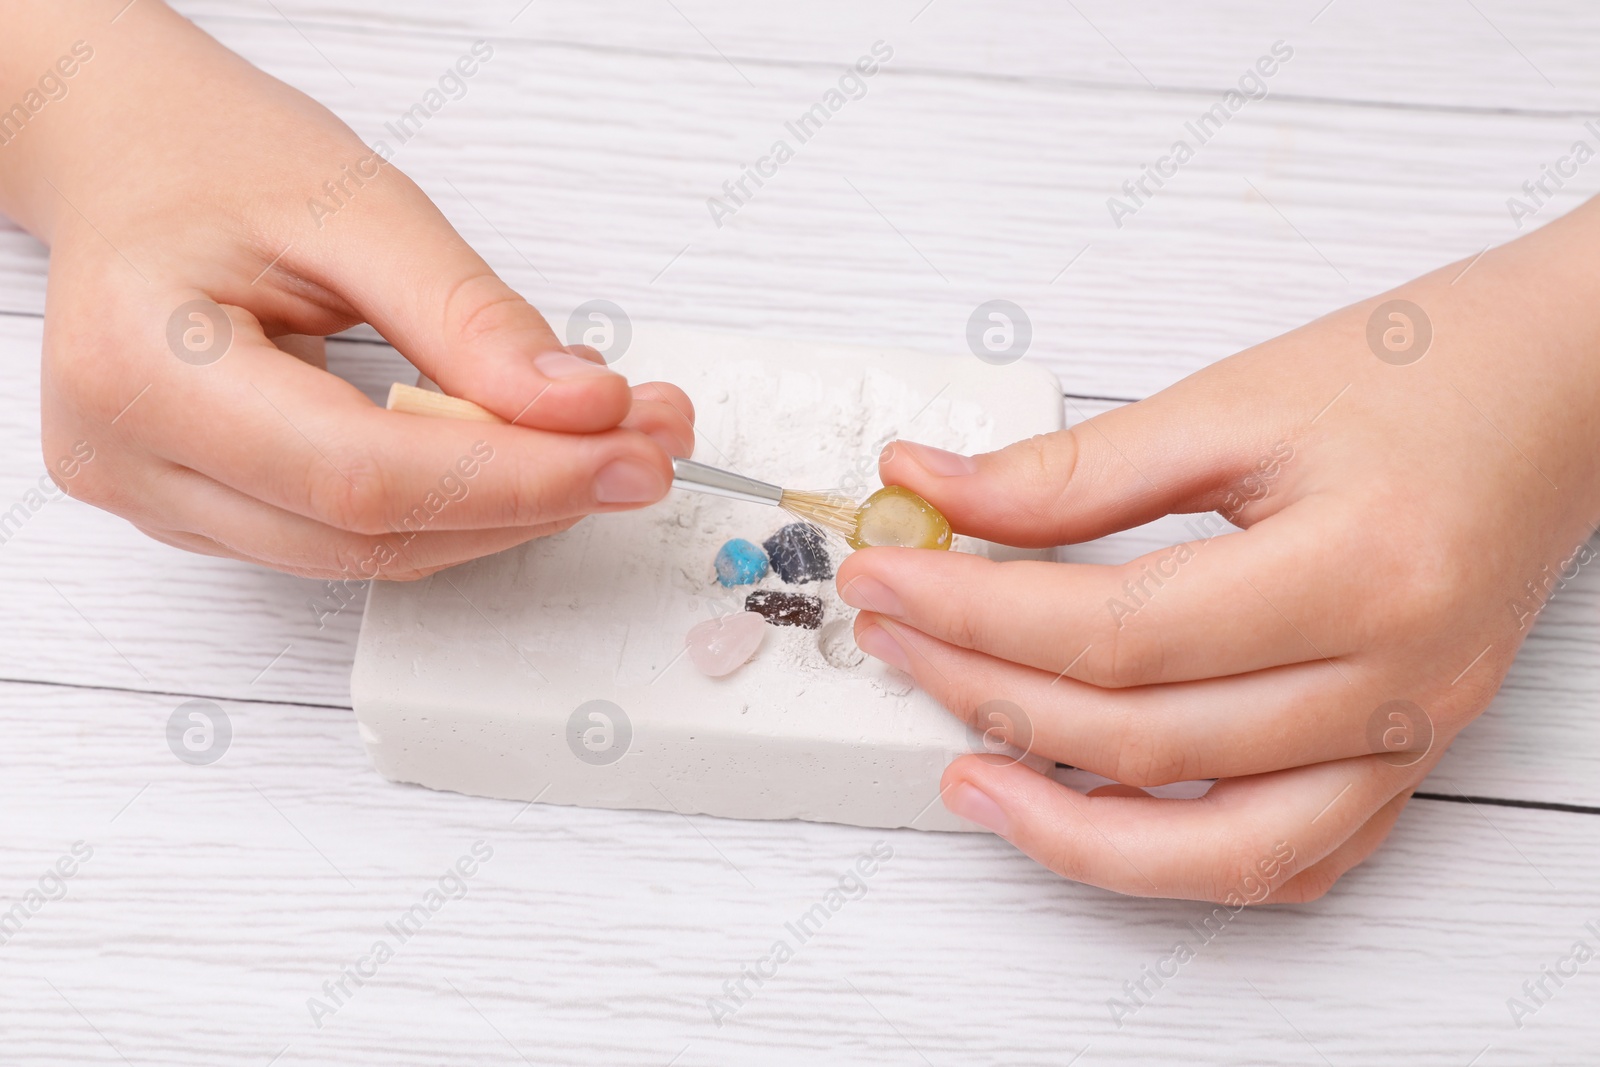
173 183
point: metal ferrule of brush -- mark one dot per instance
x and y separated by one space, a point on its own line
687 474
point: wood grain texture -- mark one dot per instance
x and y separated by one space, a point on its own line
1490 55
585 174
219 899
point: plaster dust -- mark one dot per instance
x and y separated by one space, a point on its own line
841 426
469 680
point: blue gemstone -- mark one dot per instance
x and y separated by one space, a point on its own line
798 554
740 563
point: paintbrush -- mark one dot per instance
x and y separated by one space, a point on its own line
893 516
832 511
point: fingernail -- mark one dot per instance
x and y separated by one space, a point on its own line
627 481
938 461
588 353
872 595
876 642
559 366
887 455
974 805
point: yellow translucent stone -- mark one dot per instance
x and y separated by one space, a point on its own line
896 517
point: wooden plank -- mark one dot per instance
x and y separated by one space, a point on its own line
219 899
583 174
1492 54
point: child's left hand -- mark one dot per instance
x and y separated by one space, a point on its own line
1395 511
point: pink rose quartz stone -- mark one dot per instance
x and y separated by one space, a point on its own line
721 646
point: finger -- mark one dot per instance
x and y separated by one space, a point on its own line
1316 880
664 414
202 515
312 350
1182 450
669 394
1159 734
394 258
663 424
187 542
1235 845
1226 605
300 439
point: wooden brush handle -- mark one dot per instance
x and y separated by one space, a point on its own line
414 401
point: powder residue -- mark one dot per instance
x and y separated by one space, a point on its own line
804 431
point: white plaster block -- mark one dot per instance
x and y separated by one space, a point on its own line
473 680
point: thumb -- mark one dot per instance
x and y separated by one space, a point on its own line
1120 469
394 257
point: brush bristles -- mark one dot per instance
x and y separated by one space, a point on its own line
828 510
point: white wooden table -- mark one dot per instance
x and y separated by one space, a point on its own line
218 900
